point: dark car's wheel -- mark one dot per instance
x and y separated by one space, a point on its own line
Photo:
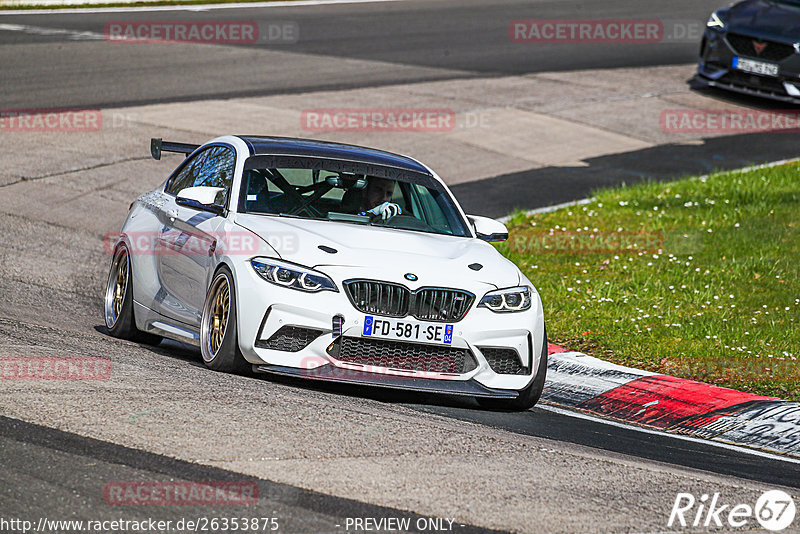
119 317
219 341
529 396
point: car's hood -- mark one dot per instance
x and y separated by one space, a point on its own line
364 251
767 20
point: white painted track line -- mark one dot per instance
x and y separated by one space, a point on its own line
619 424
40 30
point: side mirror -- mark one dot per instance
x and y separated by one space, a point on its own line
488 229
202 198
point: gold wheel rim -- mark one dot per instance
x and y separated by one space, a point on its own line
120 285
219 318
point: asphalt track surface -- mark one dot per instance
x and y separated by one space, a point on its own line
64 465
360 45
416 41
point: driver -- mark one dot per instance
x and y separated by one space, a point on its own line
375 200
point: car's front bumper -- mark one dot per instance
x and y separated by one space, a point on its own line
715 69
332 373
267 311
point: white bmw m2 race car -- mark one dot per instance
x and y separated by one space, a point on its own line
330 262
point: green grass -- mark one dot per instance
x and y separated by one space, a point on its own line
697 278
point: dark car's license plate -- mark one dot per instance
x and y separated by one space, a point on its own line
755 67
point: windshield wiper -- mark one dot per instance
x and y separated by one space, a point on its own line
296 216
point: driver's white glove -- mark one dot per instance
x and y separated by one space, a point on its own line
385 211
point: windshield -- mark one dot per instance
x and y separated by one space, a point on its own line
327 192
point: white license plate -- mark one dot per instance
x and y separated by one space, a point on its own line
756 67
398 329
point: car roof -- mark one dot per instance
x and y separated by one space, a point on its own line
292 146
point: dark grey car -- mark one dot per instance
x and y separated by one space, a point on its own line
753 47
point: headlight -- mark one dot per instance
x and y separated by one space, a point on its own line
291 275
513 299
714 21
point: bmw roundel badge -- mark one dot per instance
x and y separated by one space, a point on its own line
411 276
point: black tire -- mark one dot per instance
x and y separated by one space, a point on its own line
118 302
529 396
219 340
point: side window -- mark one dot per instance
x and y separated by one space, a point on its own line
216 169
212 167
186 177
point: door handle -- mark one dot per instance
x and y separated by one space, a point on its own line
172 214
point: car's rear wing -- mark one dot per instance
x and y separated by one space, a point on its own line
157 146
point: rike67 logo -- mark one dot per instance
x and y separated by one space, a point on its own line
774 511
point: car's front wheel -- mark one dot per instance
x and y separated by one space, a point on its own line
119 317
219 343
527 397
